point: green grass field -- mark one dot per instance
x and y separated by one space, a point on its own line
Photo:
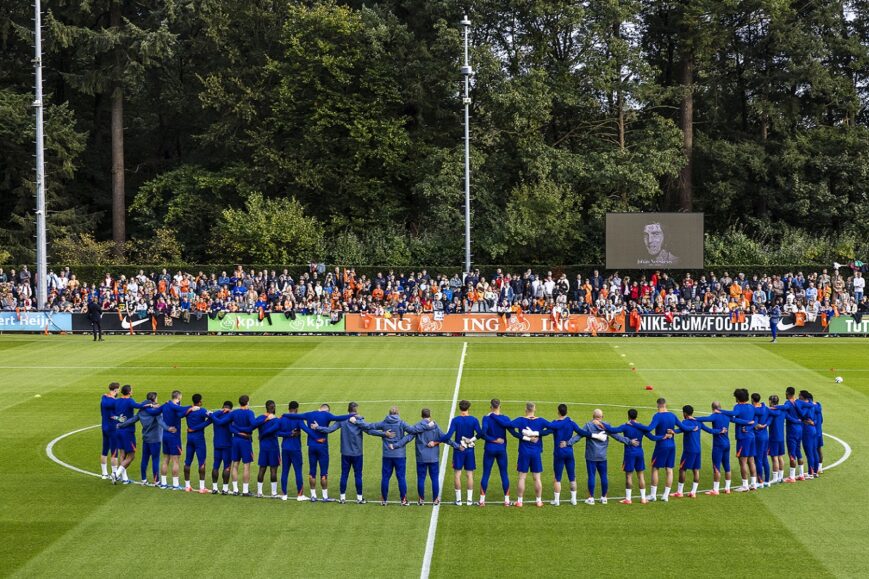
56 521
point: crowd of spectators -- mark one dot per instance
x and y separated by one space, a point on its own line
392 292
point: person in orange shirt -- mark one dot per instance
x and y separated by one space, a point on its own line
735 290
377 294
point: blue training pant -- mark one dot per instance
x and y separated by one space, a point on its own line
348 462
398 465
489 458
598 466
761 458
810 444
150 451
431 469
291 458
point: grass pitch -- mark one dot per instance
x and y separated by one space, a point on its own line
55 520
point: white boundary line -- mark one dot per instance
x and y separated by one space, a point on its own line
433 523
845 456
49 450
432 368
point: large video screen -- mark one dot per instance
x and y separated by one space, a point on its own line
654 240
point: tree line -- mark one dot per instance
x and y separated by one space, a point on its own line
269 131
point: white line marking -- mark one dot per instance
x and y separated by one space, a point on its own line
845 456
433 524
49 450
436 368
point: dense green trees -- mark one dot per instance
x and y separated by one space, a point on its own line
179 125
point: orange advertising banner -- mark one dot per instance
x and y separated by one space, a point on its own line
483 324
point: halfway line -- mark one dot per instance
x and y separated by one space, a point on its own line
433 524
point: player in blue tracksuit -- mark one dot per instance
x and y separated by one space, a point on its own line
318 448
351 450
495 427
743 416
810 433
774 319
172 414
428 440
242 424
664 455
152 423
530 456
690 431
126 438
596 447
467 430
793 434
634 459
107 410
395 458
819 426
291 449
563 429
269 449
720 447
198 420
222 443
762 420
776 439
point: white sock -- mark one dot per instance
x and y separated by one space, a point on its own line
470 495
519 501
643 494
653 491
122 472
539 499
235 486
716 485
628 494
754 482
313 493
359 497
342 496
274 488
458 496
202 485
694 488
556 497
680 488
245 488
820 467
666 494
105 468
325 494
175 481
186 484
573 496
214 486
727 484
163 480
802 470
793 472
114 469
259 488
226 487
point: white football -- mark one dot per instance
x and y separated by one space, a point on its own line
839 379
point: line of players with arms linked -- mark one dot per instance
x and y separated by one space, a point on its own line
764 434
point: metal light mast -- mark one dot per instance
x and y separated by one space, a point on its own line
41 257
467 72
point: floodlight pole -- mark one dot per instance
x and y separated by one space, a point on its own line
41 257
467 72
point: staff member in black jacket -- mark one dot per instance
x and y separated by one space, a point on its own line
95 314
